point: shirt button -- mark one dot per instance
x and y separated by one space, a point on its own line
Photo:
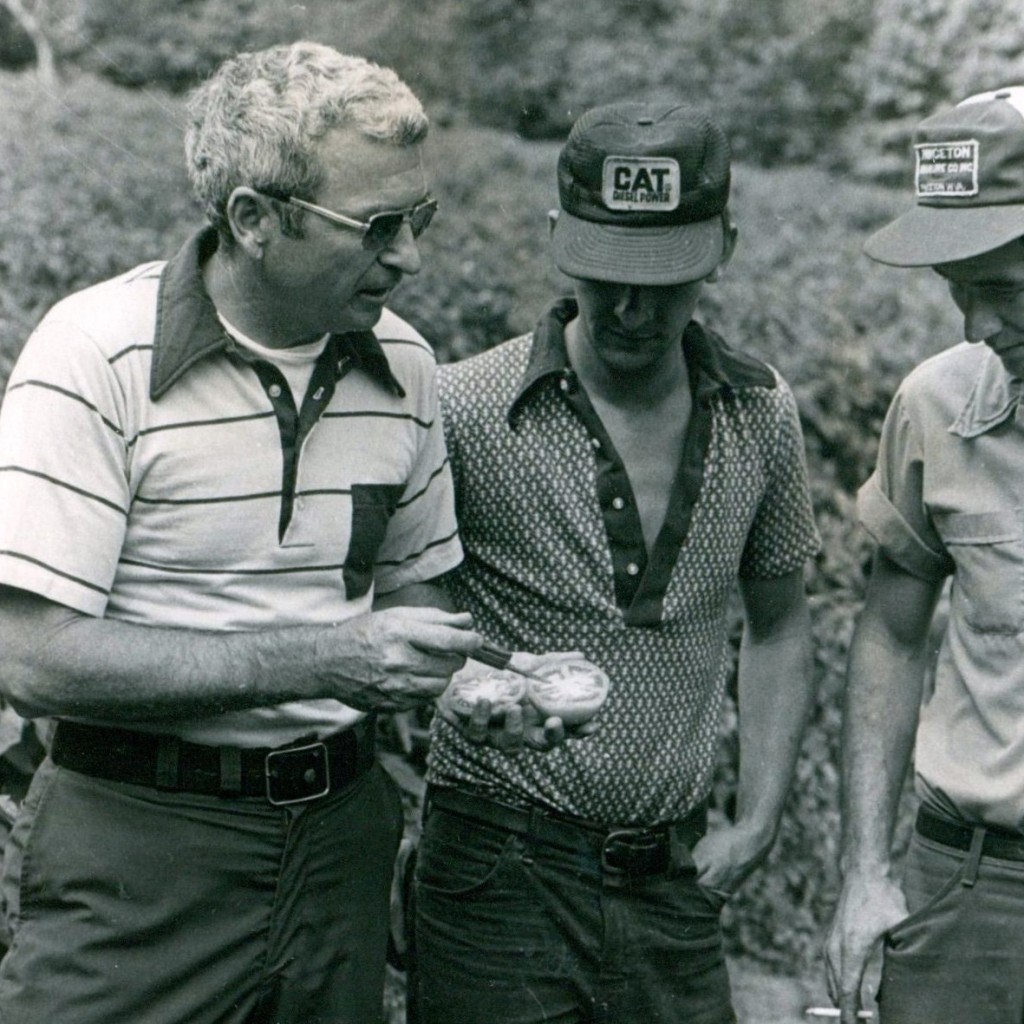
595 442
274 391
563 384
632 569
618 502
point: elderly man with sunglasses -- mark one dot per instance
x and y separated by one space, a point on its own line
225 495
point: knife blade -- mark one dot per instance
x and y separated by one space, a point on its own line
498 657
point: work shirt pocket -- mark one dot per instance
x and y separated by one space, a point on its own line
988 549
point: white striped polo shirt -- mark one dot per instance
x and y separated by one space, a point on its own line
154 472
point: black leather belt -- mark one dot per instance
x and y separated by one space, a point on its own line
300 771
999 843
624 852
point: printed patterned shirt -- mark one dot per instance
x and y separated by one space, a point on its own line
155 472
555 560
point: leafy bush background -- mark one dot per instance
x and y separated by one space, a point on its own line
819 98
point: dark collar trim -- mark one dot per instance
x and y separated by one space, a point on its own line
188 330
717 367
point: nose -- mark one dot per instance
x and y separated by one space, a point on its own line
981 316
402 252
629 306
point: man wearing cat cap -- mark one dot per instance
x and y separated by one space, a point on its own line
616 471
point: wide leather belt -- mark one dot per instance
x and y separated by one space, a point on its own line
304 770
998 843
625 852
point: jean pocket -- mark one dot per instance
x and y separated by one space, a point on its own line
458 857
988 548
933 890
716 898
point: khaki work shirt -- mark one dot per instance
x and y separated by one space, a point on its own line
947 498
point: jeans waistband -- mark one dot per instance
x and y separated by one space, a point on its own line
625 850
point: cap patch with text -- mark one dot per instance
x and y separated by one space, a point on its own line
947 168
968 184
638 183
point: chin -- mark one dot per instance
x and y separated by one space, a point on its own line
353 321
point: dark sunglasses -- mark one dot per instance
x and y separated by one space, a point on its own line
380 230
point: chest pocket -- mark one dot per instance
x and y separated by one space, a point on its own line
988 549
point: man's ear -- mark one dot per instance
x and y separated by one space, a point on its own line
251 219
730 234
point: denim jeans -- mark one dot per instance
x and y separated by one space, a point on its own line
958 958
511 931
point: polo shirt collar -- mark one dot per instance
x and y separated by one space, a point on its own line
993 399
188 330
715 367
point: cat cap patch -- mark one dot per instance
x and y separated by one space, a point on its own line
642 189
638 183
968 184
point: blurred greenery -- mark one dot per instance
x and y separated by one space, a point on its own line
819 97
838 83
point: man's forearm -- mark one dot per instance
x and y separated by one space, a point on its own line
881 707
776 689
887 663
58 662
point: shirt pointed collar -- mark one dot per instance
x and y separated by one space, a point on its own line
993 399
188 330
715 367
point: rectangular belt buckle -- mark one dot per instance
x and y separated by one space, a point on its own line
297 774
621 847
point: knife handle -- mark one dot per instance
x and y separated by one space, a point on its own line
493 655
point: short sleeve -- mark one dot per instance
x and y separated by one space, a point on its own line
422 539
783 535
64 493
891 504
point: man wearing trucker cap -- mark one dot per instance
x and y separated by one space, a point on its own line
616 472
945 501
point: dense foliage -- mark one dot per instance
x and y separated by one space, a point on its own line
93 185
839 83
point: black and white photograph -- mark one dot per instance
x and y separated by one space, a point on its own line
509 512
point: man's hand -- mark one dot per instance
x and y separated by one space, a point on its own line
726 856
868 908
522 725
398 658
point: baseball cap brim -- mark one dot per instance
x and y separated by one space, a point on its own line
927 236
637 255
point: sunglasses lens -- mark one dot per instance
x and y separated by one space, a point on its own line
421 216
384 228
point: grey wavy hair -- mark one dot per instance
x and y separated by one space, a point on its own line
258 119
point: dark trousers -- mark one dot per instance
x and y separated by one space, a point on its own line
512 931
131 904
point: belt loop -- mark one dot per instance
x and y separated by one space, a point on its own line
168 762
973 857
230 771
530 839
